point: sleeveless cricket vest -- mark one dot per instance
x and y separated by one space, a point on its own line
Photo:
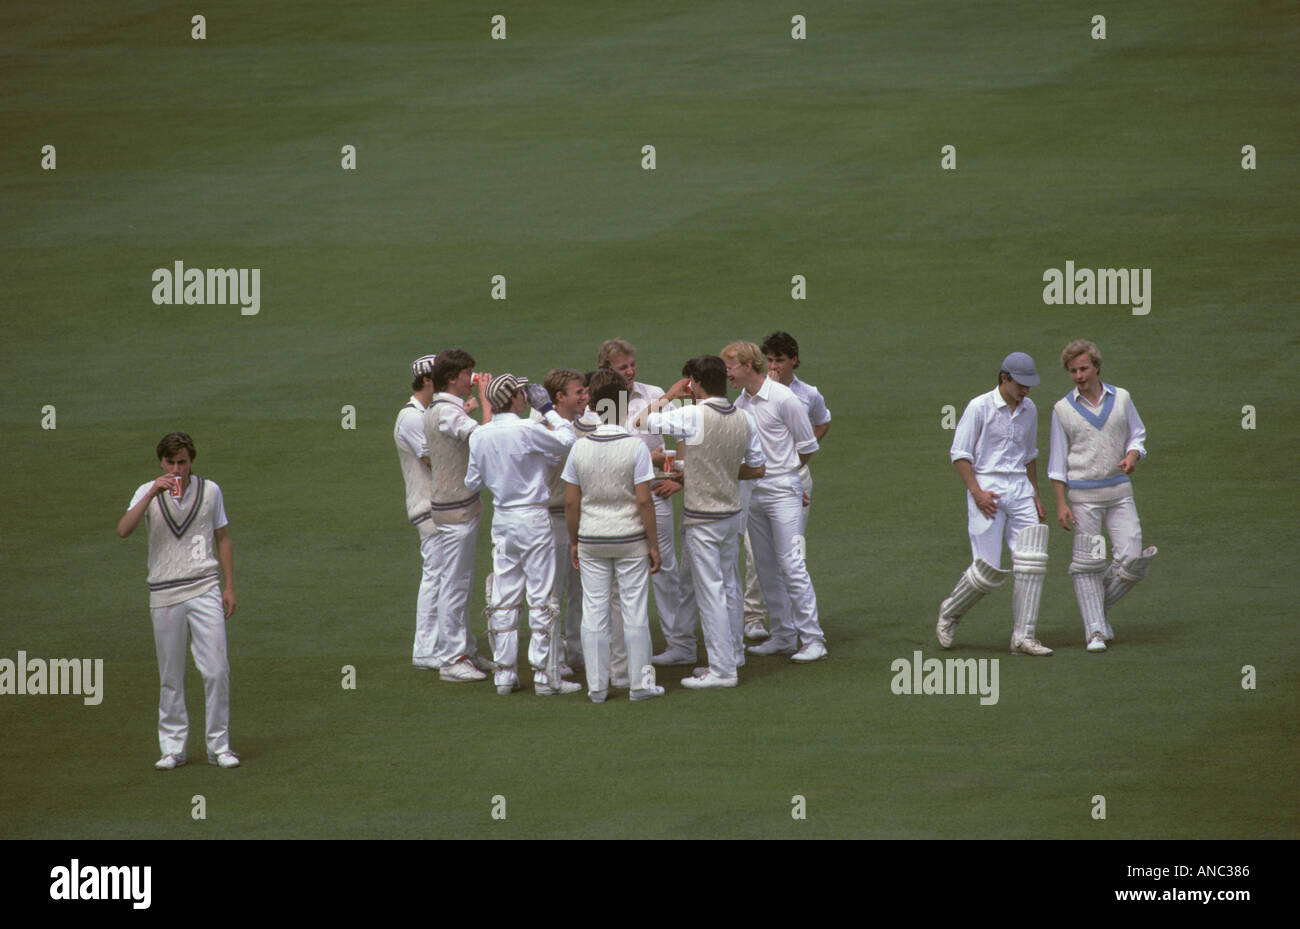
451 500
419 481
182 551
1097 440
712 489
610 524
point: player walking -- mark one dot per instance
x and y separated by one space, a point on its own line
995 451
1097 440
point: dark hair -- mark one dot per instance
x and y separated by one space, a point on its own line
607 387
417 385
710 372
448 365
173 442
781 343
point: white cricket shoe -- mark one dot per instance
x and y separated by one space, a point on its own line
225 760
815 650
1097 643
647 693
708 680
462 671
1028 645
598 696
559 687
754 629
169 762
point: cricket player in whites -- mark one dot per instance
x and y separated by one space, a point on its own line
510 455
565 391
413 455
782 354
678 630
995 451
612 534
189 540
1097 439
724 450
455 511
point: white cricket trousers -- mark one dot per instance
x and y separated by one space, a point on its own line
710 550
598 575
678 630
1120 520
523 569
755 607
776 535
1016 513
200 620
454 556
567 582
426 603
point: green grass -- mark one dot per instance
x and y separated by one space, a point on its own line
522 158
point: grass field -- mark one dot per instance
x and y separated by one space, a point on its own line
774 157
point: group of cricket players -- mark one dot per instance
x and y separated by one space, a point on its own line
582 476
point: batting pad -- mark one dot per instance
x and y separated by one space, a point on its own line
1087 567
1126 576
977 580
1029 565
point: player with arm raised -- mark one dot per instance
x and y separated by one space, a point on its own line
724 450
995 451
189 540
455 511
1097 440
510 456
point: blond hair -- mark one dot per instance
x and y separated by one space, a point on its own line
611 349
746 353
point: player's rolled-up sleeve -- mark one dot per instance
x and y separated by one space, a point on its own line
818 414
1057 451
796 420
1137 432
967 435
410 429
